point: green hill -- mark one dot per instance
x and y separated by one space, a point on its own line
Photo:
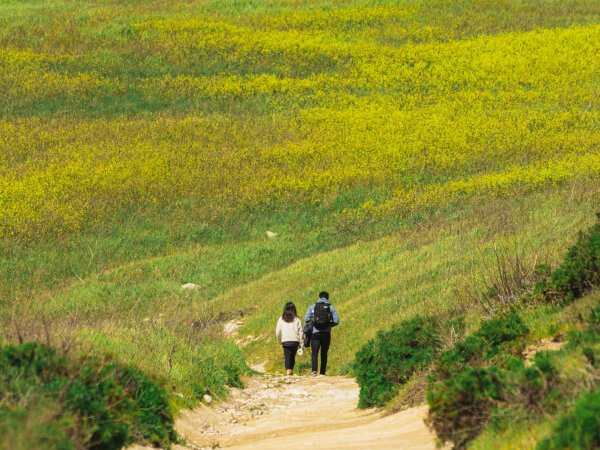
398 150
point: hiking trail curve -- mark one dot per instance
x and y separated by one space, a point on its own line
317 413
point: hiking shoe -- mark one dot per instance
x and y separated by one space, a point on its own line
313 374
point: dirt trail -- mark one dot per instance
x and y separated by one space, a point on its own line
318 413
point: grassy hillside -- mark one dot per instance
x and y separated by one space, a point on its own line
391 145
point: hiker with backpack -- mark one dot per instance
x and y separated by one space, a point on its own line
323 316
289 334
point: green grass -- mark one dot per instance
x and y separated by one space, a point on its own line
420 267
377 284
115 287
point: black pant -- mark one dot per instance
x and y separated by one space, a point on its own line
289 353
320 341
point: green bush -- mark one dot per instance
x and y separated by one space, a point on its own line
461 405
494 337
35 428
594 320
590 335
389 359
579 272
479 379
99 404
465 388
579 429
528 387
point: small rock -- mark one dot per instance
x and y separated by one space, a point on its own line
230 327
190 286
298 392
272 234
207 398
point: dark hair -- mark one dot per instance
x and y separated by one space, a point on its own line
289 312
324 294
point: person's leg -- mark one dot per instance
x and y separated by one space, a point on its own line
294 349
325 342
315 343
287 357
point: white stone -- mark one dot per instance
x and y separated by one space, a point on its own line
207 398
231 326
299 392
272 234
190 286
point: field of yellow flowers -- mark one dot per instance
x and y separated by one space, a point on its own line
390 145
113 104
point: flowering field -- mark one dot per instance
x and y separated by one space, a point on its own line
394 106
389 144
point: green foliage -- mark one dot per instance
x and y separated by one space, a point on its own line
498 332
480 382
529 386
579 272
36 427
100 405
594 320
579 429
220 364
494 337
153 419
389 359
589 335
462 404
462 392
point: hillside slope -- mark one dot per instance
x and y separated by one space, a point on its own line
390 152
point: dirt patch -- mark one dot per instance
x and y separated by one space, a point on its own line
547 344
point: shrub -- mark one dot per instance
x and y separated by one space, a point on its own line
392 357
101 405
579 272
589 335
462 404
498 332
494 337
462 392
528 387
35 428
579 429
153 420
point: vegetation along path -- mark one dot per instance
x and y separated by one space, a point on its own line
274 412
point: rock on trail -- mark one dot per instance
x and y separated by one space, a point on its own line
314 413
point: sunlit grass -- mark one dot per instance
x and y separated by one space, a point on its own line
391 145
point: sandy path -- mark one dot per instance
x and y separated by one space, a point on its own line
300 413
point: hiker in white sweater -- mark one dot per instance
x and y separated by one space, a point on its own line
289 335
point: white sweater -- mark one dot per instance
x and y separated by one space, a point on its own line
289 331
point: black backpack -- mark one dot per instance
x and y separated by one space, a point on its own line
322 315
